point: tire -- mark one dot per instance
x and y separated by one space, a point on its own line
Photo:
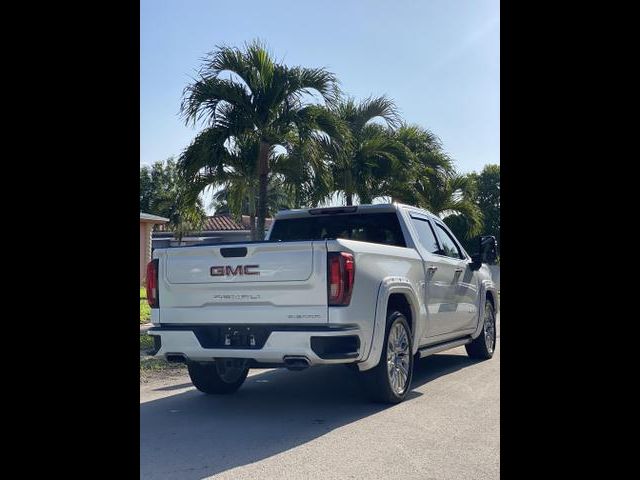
224 376
484 346
386 382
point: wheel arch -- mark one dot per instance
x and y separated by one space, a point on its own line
394 292
399 302
488 292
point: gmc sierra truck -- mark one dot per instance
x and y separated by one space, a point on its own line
375 286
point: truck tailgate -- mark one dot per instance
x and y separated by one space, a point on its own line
270 282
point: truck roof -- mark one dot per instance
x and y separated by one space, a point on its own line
340 209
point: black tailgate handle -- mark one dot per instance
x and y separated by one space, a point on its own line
233 252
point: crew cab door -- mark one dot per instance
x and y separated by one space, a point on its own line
440 294
465 279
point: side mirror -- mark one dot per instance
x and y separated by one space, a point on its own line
487 252
489 249
476 261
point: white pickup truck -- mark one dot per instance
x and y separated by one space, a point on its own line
375 286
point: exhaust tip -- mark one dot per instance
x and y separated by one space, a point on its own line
296 362
176 358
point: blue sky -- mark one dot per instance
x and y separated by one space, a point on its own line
439 60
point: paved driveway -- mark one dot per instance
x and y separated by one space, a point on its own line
318 424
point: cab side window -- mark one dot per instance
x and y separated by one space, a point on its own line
426 235
449 246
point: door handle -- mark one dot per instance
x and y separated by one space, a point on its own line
458 270
432 268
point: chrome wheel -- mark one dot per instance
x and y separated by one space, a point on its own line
489 328
398 358
230 369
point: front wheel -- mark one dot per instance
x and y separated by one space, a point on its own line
390 380
485 344
224 376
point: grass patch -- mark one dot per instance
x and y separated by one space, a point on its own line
155 367
146 342
145 309
153 364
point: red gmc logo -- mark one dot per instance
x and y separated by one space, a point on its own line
222 270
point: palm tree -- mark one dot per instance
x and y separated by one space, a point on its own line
304 170
164 193
452 194
237 179
226 201
371 154
246 93
184 210
235 199
429 164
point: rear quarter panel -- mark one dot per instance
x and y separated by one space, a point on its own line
378 269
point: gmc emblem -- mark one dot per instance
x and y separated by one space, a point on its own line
222 270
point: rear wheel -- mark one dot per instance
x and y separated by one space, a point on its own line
225 375
390 380
484 346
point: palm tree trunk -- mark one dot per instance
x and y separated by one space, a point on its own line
263 172
252 222
252 212
347 185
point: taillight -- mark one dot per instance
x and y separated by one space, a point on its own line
341 270
152 283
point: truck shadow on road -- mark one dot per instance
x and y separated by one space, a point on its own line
192 436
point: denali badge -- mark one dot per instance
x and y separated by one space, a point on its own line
222 270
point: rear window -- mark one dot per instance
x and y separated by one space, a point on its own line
367 227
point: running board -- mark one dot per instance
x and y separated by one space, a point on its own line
439 347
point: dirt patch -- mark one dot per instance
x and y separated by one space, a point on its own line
153 368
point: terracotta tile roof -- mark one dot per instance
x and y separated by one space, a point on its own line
218 223
221 222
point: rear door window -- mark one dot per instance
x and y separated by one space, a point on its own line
426 236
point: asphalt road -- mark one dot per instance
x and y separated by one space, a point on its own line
318 424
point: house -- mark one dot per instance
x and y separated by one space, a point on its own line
217 229
245 219
147 221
